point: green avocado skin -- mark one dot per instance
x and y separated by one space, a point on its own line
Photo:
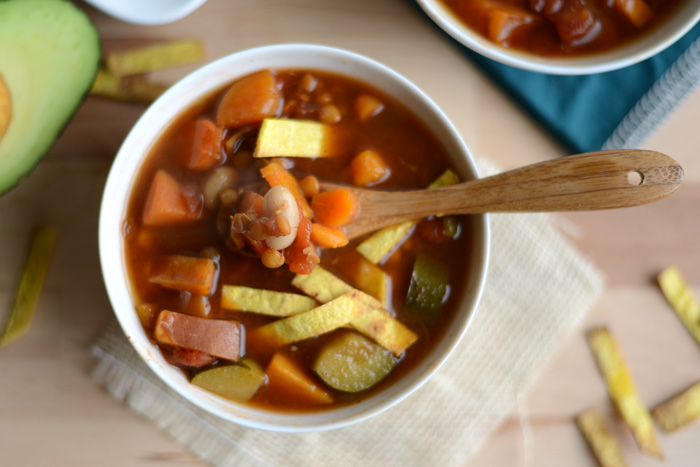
50 53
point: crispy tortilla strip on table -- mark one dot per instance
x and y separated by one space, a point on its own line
156 57
601 441
286 137
622 390
320 320
136 89
681 298
30 285
5 107
381 243
376 324
264 302
679 411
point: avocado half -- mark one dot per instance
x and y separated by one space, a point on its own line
49 56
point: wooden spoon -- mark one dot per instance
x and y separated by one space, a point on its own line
585 182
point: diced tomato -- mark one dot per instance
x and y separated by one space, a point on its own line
301 254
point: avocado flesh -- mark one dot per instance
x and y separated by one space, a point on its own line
49 55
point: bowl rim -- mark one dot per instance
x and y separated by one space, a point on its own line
645 46
140 140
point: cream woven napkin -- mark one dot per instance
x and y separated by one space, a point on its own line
539 290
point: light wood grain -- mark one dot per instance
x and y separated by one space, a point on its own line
584 182
51 413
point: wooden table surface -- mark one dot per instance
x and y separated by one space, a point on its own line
52 413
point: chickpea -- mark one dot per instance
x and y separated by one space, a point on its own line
329 114
272 258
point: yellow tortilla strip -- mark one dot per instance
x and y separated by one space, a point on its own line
377 324
5 107
622 391
286 137
264 302
601 441
30 285
320 320
681 298
153 58
679 411
381 243
137 89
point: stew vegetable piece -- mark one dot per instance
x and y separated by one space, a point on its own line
240 268
553 28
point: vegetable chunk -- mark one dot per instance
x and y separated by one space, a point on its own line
265 302
335 208
429 287
320 320
285 137
205 151
351 363
217 337
250 100
623 392
286 375
274 174
166 204
180 272
238 382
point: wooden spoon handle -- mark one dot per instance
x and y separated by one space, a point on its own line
591 181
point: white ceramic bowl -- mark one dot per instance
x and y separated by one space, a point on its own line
149 128
680 21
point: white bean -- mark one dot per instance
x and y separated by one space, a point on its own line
280 200
221 178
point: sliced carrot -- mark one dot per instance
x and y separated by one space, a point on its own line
250 100
368 167
180 272
275 175
309 185
205 151
335 208
286 374
328 236
165 203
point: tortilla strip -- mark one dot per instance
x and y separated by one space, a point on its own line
679 411
286 137
156 57
264 302
136 89
681 298
622 390
601 441
320 320
30 285
381 243
378 324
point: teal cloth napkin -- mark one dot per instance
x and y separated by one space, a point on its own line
605 110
